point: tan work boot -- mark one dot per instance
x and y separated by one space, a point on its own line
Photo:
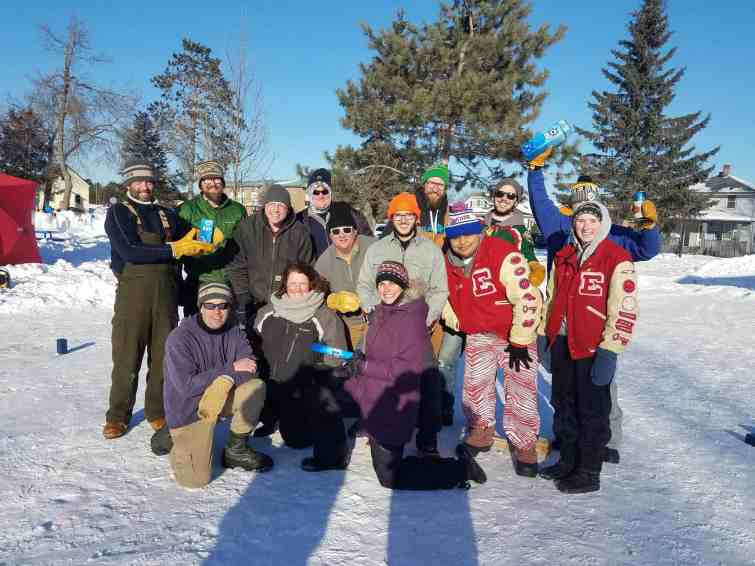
525 461
480 439
157 424
114 430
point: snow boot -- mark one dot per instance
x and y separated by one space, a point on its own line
525 462
114 430
580 481
427 445
472 469
611 455
312 465
161 442
267 429
237 454
480 439
565 465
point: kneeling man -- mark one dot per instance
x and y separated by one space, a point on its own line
209 373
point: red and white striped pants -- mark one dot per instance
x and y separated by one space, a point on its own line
521 421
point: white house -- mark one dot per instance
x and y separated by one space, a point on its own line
79 193
482 204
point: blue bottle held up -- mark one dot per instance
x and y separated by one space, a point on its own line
324 349
553 136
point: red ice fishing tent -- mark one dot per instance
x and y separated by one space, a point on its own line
17 241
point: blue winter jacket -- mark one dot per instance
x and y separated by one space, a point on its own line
556 227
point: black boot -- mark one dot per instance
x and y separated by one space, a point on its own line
565 465
427 445
611 455
267 429
473 470
581 480
312 465
238 455
161 442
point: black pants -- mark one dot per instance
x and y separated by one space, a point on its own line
429 420
332 405
582 408
289 405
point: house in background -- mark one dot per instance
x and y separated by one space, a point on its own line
251 194
79 200
727 228
481 204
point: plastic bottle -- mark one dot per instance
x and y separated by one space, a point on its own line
553 136
326 350
637 200
206 228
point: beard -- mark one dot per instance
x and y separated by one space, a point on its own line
434 201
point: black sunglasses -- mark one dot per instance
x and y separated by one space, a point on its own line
344 229
216 306
321 192
503 194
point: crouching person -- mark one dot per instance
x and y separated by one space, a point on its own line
382 387
209 373
589 319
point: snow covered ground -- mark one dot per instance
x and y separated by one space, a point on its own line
684 492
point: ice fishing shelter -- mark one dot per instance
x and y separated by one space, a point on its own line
17 241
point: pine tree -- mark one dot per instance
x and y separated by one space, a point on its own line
639 146
464 87
25 145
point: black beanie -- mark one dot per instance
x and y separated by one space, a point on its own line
277 193
319 176
340 215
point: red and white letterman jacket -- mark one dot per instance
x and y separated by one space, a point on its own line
598 299
497 296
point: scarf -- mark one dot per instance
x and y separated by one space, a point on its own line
297 310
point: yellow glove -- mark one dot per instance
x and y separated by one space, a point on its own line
649 216
217 236
343 302
188 246
539 161
449 317
214 398
537 272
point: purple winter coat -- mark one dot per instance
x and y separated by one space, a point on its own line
398 351
194 357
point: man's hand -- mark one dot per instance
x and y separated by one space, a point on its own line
518 357
189 246
217 236
539 161
214 398
649 216
245 364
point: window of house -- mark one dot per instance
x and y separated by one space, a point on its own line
731 201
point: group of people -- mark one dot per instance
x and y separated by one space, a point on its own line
265 290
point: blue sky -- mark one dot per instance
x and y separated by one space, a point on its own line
303 51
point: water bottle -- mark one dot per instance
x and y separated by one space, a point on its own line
637 199
326 350
206 228
553 136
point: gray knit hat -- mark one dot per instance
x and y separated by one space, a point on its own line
209 291
138 171
277 193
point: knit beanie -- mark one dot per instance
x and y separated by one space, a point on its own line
509 182
138 171
392 271
209 170
340 215
462 222
587 208
319 176
208 291
277 193
584 190
438 170
404 202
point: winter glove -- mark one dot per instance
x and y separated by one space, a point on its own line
350 369
537 273
603 367
343 302
449 317
214 398
217 236
188 246
544 353
518 357
649 216
539 161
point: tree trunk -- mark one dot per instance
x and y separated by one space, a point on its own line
61 123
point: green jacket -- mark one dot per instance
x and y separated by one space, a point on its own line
227 216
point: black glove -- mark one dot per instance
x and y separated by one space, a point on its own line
518 357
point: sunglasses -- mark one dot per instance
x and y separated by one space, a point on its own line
323 192
503 194
216 306
344 229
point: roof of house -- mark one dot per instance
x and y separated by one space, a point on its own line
724 184
723 216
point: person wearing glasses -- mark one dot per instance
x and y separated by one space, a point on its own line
268 241
316 216
340 265
426 266
210 372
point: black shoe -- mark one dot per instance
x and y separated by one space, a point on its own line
238 455
427 445
472 469
557 471
312 465
267 429
581 481
525 469
161 442
611 455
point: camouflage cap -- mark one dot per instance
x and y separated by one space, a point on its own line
138 172
210 169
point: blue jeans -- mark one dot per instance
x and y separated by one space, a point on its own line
449 354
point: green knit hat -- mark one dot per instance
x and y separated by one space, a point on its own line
437 170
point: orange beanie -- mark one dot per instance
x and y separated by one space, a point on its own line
404 202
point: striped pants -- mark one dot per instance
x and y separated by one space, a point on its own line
521 421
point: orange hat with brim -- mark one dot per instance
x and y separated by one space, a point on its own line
404 202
